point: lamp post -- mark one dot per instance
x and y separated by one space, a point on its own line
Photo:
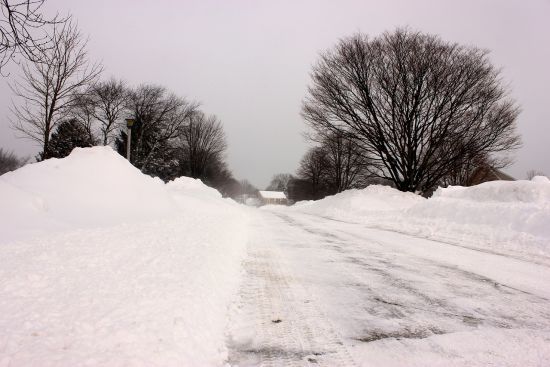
129 124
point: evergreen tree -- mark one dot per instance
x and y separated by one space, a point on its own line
68 135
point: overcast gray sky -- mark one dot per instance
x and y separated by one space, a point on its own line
248 61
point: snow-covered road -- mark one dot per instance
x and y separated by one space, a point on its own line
322 292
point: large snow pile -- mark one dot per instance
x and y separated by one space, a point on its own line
89 188
122 269
505 216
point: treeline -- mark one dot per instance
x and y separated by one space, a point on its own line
62 104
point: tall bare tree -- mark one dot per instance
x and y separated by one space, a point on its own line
417 104
313 169
347 164
159 118
202 143
83 111
51 87
110 100
24 30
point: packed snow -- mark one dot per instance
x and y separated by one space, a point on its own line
102 265
510 217
323 292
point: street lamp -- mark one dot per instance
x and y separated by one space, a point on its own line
129 124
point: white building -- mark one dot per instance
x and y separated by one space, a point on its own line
273 197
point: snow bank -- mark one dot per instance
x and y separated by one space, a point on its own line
89 188
504 216
366 202
191 186
512 214
125 270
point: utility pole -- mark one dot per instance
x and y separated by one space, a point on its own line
129 124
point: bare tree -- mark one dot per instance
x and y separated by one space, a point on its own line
159 118
24 30
202 143
464 172
9 161
347 164
417 105
219 176
83 111
279 182
50 88
101 108
313 169
109 99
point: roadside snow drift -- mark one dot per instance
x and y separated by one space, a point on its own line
102 265
505 216
512 215
372 200
89 188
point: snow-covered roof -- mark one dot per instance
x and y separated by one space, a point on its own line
272 194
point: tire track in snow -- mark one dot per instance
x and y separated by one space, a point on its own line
275 322
398 277
306 278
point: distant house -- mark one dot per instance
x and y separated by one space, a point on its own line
273 197
487 173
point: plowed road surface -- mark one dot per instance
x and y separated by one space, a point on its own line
319 292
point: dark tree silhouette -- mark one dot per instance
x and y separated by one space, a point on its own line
159 117
347 164
416 104
68 135
202 143
82 110
9 161
313 170
109 101
102 109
